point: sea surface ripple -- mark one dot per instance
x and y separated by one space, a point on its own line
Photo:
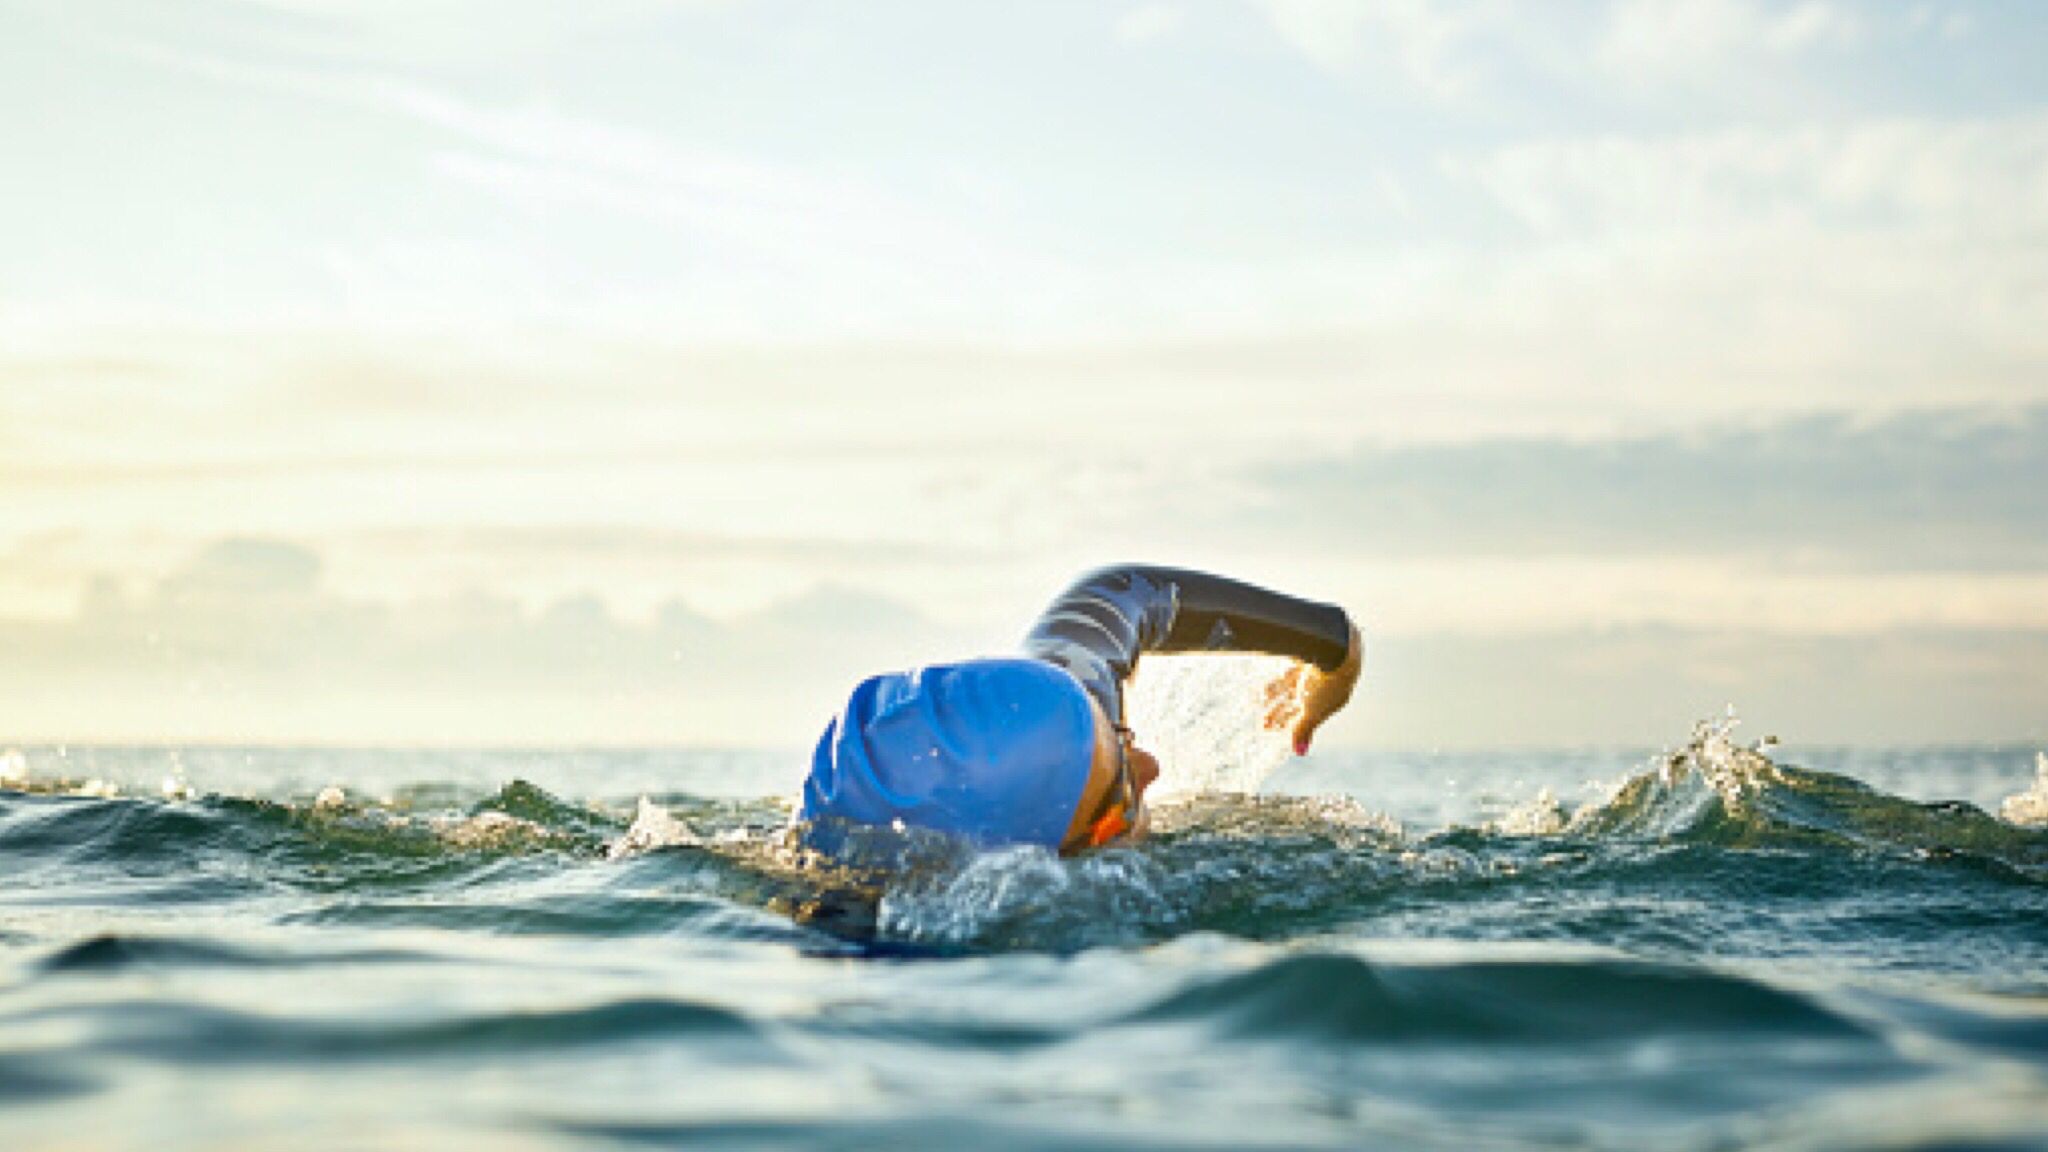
1720 946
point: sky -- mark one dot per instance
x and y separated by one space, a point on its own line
445 371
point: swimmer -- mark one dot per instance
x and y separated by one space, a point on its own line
1033 749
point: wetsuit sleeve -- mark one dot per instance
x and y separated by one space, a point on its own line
1099 626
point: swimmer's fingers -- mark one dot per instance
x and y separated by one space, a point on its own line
1283 687
1283 698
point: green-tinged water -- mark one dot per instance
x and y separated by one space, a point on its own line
320 949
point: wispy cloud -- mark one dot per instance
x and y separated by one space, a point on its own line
1664 40
1431 42
1948 21
1959 178
463 33
1647 686
245 643
1501 53
1149 22
1928 491
825 247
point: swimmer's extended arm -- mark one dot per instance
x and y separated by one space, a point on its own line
1100 625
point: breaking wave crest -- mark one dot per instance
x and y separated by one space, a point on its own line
1680 855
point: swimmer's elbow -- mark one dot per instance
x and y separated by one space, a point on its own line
1114 577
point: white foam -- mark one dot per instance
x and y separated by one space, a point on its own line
175 785
1023 888
2030 807
1733 771
488 830
1713 770
1539 816
653 827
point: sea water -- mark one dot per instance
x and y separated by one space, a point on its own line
1708 946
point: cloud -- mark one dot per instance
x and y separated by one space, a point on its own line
245 644
235 571
1927 491
1857 263
515 543
636 567
1667 39
458 33
614 157
1431 42
1647 685
666 230
1945 21
1957 179
1452 50
1148 23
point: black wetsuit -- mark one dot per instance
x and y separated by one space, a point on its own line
1100 625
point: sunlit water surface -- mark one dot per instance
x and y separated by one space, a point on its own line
1705 948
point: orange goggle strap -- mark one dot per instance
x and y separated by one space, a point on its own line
1112 825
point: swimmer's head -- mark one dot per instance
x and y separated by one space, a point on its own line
994 752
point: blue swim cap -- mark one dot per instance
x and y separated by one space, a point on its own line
992 751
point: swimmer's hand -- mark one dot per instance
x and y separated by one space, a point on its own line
1305 696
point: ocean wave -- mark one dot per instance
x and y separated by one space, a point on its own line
1713 822
192 1031
1345 999
110 952
1720 951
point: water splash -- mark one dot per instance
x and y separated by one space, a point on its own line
1717 791
1204 716
1713 777
1542 815
1026 896
654 827
1261 867
2030 808
176 784
517 819
1340 820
